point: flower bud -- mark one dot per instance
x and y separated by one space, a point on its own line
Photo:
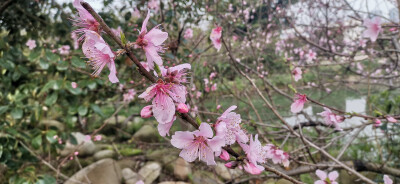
224 155
146 112
231 165
377 122
182 108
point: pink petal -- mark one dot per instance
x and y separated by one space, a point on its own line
333 175
178 93
241 136
156 36
204 130
253 169
319 182
216 144
182 139
180 67
296 106
152 56
231 108
321 174
207 155
113 72
144 24
190 153
387 180
220 129
149 93
163 108
163 129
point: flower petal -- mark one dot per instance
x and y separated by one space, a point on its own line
163 129
333 175
163 108
156 36
321 174
182 139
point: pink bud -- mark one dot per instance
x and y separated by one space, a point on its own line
146 112
76 153
229 164
182 108
218 107
377 122
224 155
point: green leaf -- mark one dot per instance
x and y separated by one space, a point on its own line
46 179
62 65
82 110
3 109
51 99
17 113
157 69
52 57
123 39
44 64
76 62
97 109
37 142
47 86
50 136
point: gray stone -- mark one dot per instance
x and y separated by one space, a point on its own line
104 171
202 177
173 182
52 123
146 133
129 176
150 172
111 120
126 163
181 169
225 173
104 154
86 149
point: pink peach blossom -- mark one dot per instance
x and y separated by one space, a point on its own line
228 126
298 103
135 13
331 118
215 37
164 94
373 28
31 44
188 33
151 43
198 144
326 178
130 95
85 20
297 73
153 4
254 154
64 50
99 54
276 155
